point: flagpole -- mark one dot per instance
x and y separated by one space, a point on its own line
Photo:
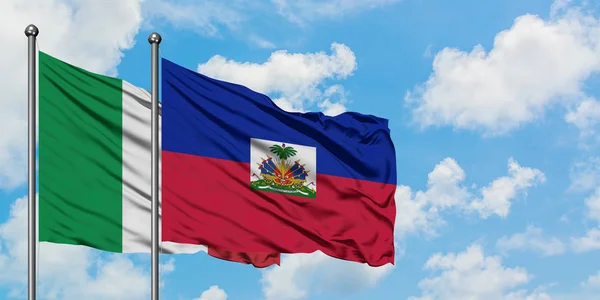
31 32
154 39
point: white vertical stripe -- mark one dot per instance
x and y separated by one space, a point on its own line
136 175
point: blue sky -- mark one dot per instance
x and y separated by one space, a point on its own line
493 108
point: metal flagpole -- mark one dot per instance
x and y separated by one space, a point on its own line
154 40
31 32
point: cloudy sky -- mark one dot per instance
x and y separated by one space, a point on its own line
494 108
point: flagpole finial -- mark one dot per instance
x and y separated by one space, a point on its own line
154 38
32 30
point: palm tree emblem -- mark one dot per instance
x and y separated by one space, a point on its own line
282 151
282 174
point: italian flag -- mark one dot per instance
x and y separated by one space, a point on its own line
95 165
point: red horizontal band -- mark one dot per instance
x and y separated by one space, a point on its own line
209 201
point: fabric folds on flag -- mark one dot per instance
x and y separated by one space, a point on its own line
241 173
95 164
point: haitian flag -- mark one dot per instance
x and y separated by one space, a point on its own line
240 173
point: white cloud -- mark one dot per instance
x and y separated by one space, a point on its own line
300 12
532 66
589 290
66 272
73 31
164 269
261 42
213 17
496 196
301 274
167 267
585 175
472 275
592 203
446 190
294 80
559 6
589 242
213 293
535 295
287 105
419 211
533 240
593 282
586 116
334 101
331 109
203 16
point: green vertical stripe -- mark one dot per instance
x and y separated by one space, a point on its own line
80 156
